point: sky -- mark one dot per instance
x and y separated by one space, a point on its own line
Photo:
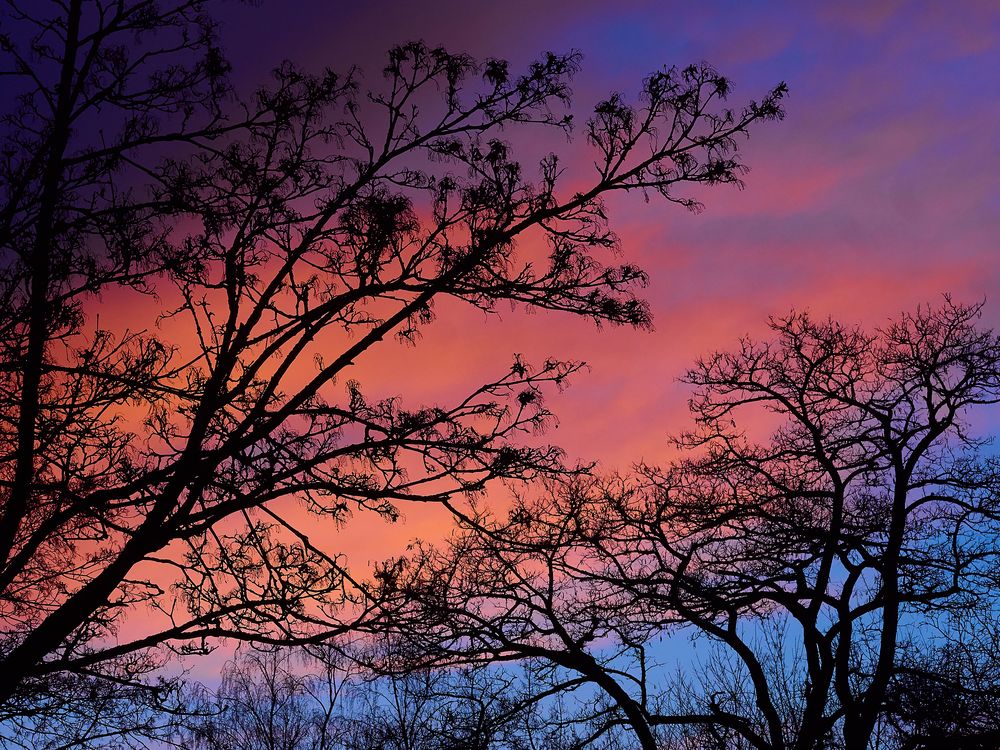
878 192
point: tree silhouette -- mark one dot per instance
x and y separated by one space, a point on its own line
149 461
830 567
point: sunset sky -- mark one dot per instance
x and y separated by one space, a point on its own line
878 192
283 342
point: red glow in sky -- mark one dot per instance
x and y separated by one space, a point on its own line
877 193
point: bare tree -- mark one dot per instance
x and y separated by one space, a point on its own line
166 461
871 510
827 565
278 699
